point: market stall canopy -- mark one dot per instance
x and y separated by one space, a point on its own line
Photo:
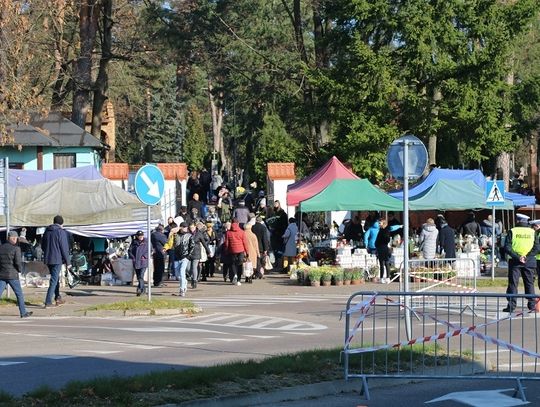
453 195
316 182
24 178
80 202
351 195
473 175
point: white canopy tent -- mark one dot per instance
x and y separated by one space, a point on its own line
89 207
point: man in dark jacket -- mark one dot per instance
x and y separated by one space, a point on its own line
278 224
158 240
471 227
521 246
10 267
55 253
138 252
447 240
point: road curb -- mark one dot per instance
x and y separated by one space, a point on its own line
283 394
315 390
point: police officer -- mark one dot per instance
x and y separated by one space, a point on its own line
521 247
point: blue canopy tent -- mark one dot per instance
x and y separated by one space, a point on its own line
473 175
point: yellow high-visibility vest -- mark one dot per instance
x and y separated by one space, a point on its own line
522 240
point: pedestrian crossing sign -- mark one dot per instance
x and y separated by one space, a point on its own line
495 193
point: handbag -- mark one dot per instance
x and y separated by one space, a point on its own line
267 263
204 256
247 269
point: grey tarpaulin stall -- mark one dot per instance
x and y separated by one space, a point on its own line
89 207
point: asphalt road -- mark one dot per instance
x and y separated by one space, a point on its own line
237 323
253 321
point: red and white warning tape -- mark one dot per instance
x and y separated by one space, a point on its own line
363 308
444 282
455 331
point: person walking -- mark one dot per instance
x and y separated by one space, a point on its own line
370 236
428 239
241 213
521 246
181 242
225 257
253 250
447 240
289 243
536 226
196 256
209 266
237 247
55 253
10 267
262 233
383 251
138 253
158 239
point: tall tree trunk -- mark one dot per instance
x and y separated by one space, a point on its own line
295 16
60 67
216 108
321 26
533 154
503 160
432 145
82 76
102 80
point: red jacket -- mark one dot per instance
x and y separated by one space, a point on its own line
235 240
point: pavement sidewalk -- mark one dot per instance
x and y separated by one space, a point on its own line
84 296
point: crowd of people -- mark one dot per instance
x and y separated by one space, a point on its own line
221 232
230 233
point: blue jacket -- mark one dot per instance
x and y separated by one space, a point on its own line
55 245
138 252
371 235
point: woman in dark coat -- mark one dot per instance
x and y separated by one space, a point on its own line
383 251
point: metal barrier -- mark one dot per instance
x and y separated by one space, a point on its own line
482 342
441 275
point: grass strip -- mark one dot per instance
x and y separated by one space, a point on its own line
236 378
143 304
4 301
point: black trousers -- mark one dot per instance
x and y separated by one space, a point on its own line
515 270
159 268
209 267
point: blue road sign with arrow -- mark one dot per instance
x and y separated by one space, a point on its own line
149 184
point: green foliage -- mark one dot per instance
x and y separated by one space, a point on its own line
356 274
315 274
327 275
166 127
338 275
195 145
274 144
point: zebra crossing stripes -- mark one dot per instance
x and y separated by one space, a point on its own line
232 320
244 300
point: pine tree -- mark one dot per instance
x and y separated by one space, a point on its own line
195 146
